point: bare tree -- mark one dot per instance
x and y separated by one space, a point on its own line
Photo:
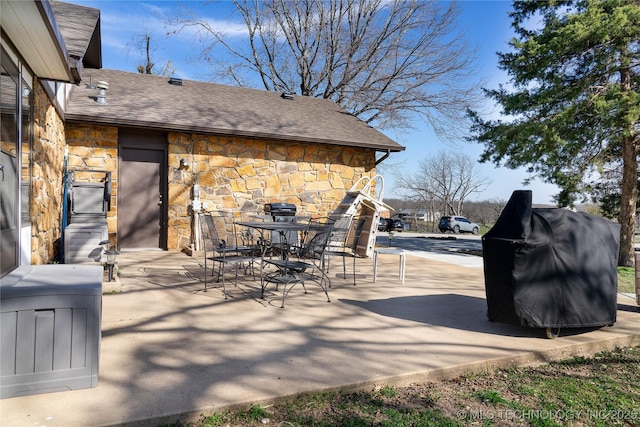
485 212
145 46
385 61
446 178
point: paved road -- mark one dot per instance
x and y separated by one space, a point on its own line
454 249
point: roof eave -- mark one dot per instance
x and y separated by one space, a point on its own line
32 28
227 132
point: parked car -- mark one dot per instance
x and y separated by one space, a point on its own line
457 224
390 224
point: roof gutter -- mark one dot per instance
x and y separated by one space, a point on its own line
383 158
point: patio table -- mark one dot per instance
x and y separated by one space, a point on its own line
284 275
281 227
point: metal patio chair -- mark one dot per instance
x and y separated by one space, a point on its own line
221 246
302 263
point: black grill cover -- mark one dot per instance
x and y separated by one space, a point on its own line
550 267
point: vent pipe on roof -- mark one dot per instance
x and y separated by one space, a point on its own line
286 95
91 85
175 81
102 92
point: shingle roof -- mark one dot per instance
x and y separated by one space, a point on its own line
148 101
80 28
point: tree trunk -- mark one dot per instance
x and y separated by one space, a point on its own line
628 200
629 196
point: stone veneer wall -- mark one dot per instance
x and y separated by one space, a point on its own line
47 181
241 175
234 174
93 147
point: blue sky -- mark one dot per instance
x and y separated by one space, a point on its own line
485 22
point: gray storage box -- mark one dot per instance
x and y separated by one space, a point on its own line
82 242
50 324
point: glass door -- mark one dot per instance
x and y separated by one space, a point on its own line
9 167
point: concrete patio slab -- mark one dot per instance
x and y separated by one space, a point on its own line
172 352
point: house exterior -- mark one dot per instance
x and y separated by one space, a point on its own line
239 148
39 67
419 215
163 141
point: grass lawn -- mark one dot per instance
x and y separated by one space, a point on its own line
627 279
598 391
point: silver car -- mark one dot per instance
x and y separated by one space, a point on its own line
457 224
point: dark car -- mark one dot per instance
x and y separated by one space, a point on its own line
457 224
390 224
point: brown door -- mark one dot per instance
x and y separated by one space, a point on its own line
141 191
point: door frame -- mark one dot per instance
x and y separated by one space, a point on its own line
152 141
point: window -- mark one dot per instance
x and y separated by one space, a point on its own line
16 142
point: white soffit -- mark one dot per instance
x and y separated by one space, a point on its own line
32 29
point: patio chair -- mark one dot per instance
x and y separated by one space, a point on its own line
220 237
303 262
254 239
344 242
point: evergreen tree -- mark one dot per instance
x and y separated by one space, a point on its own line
573 104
